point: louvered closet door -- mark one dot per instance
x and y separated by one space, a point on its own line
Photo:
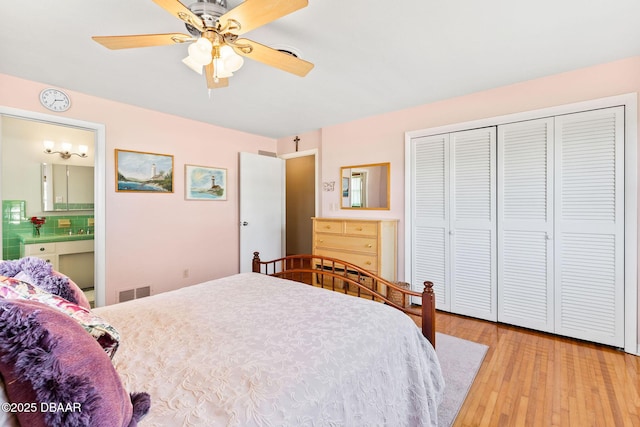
473 223
525 224
430 215
589 219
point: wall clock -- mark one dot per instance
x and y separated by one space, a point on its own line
55 100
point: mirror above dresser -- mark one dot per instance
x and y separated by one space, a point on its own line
365 186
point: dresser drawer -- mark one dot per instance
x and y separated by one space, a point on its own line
324 226
360 244
361 228
39 249
367 262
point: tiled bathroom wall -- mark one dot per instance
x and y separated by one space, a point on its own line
15 222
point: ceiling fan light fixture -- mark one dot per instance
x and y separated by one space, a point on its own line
216 49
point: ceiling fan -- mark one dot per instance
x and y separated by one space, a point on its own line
214 37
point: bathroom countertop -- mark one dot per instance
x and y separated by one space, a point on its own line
29 239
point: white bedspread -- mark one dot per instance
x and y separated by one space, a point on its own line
252 350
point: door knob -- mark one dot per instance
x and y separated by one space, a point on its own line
244 223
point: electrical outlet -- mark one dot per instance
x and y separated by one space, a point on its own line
185 273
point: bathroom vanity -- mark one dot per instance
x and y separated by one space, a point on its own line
72 255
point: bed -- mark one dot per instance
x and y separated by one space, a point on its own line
257 349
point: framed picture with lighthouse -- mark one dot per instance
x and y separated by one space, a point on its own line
144 172
205 183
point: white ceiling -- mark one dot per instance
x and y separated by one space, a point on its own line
370 56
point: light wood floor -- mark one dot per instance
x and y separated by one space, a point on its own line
535 379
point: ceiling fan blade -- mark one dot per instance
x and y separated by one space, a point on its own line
211 83
180 11
252 14
272 57
143 40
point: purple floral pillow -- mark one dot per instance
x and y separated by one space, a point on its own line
58 374
38 272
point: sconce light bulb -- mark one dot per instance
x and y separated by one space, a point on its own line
48 145
66 147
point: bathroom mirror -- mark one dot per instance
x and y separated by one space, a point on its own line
365 186
67 187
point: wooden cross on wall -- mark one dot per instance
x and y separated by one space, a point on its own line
296 140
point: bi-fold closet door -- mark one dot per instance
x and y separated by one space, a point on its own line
454 219
561 225
524 223
526 227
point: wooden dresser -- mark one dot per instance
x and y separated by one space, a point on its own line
369 244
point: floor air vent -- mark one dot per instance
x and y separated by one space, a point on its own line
131 294
145 291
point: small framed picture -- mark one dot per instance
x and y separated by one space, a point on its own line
144 172
205 183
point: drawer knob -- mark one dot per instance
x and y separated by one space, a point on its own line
328 227
359 229
368 262
321 241
369 245
41 249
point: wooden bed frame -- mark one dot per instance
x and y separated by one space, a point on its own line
337 275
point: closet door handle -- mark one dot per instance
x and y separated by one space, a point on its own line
452 232
548 236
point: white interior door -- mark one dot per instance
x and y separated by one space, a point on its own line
261 208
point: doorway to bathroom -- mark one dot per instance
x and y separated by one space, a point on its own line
61 191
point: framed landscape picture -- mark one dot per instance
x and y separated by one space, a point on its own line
144 172
205 183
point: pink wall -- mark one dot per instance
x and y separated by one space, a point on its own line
152 238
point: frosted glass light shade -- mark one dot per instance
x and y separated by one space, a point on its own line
66 147
232 61
200 51
189 62
219 70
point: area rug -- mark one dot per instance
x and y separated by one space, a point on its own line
460 360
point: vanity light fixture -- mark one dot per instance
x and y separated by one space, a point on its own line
65 149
